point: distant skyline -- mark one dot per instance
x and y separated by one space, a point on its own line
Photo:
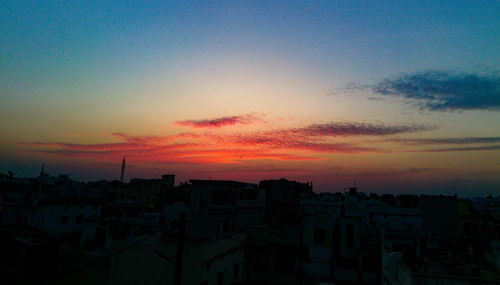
402 96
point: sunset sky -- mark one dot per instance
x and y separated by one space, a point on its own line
403 97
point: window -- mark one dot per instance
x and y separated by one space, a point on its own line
64 220
319 236
220 278
223 197
79 219
251 195
349 236
350 262
236 271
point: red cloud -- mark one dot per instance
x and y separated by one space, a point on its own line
203 156
281 144
291 141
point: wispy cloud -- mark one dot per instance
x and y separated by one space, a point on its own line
361 129
392 173
93 147
220 122
311 142
176 156
444 91
437 141
473 148
151 139
292 141
312 137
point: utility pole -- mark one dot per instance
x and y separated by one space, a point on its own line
180 250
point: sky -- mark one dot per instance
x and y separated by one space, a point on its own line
401 96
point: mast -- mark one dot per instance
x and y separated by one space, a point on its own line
123 170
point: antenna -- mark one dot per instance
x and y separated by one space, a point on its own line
123 170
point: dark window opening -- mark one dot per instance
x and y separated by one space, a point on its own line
64 220
350 262
349 232
100 236
220 278
319 236
236 270
223 197
79 219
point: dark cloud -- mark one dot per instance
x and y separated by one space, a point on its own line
312 137
462 140
444 91
90 147
392 173
293 142
220 122
151 139
475 148
360 129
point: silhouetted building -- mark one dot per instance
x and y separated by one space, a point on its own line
282 200
25 253
440 215
147 192
227 206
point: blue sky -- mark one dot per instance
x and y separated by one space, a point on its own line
362 38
